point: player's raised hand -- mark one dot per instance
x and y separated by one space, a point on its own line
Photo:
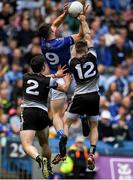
68 78
85 12
82 2
66 7
61 71
81 17
86 9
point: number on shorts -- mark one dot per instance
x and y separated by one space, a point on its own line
89 72
53 58
31 89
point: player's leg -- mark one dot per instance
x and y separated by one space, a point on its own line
50 114
32 120
63 138
57 107
90 107
63 141
27 138
68 120
93 137
85 125
42 125
27 131
46 151
70 115
67 125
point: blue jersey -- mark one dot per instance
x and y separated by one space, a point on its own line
57 52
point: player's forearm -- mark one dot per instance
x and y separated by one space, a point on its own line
79 36
50 75
87 33
73 52
59 20
54 75
81 31
85 28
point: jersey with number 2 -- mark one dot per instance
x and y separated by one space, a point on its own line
57 52
36 87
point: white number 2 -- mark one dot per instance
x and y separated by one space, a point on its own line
31 89
88 73
53 58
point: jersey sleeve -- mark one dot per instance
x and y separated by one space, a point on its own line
92 51
68 40
69 62
53 84
44 44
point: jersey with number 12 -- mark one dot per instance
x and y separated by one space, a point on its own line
85 72
57 52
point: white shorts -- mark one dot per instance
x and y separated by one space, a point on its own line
73 116
55 94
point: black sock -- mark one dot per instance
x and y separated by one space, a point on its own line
39 160
92 149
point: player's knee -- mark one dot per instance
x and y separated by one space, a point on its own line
68 121
26 142
58 109
57 115
43 143
93 124
25 146
44 146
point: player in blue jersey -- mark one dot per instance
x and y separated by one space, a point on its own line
57 52
85 101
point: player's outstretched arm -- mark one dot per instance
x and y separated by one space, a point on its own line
67 80
80 35
73 52
86 31
60 19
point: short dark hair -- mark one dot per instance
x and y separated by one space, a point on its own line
37 63
80 45
44 30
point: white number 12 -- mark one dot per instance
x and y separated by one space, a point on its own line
88 73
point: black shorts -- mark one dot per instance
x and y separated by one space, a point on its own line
85 104
33 118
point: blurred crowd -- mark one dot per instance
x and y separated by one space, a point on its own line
111 22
